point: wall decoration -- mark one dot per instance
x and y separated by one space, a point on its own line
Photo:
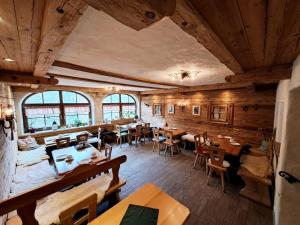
171 108
157 109
196 110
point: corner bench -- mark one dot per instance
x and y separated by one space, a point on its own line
26 203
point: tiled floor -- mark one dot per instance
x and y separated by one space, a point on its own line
176 176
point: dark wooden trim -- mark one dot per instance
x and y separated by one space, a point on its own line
25 78
101 81
109 74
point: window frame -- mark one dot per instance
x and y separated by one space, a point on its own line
119 104
61 105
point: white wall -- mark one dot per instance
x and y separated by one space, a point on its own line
95 99
287 196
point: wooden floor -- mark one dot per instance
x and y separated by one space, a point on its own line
176 176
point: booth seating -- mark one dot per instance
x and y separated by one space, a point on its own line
105 186
190 138
256 171
27 158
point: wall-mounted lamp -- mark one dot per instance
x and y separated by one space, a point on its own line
146 104
182 106
7 121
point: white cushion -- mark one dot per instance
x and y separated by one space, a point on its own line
188 137
226 164
27 143
31 157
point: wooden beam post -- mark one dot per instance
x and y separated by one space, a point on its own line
59 20
136 14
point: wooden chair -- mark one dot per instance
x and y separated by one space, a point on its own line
120 135
67 216
63 142
216 163
99 138
82 138
108 151
205 137
157 140
137 134
147 131
201 152
171 143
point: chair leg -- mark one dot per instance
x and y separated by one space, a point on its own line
209 174
206 166
196 160
172 150
121 141
153 146
222 180
166 149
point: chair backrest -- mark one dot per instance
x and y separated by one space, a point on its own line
169 137
99 132
138 129
155 133
66 217
82 138
108 150
204 135
147 127
216 156
62 142
197 139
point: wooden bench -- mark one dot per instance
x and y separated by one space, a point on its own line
26 203
259 188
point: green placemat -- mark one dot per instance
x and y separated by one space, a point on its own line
137 215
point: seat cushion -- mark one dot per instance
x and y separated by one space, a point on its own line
226 164
188 137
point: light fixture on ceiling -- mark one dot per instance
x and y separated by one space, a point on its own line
183 74
8 60
112 89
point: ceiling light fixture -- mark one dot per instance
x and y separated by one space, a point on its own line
184 75
8 60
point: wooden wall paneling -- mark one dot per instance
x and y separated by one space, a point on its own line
253 14
244 126
289 44
224 17
191 21
55 30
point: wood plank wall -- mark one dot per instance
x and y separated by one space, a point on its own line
8 151
245 125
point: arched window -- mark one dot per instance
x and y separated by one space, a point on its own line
66 108
116 106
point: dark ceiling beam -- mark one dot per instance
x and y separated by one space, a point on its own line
100 81
25 78
136 14
274 74
59 21
110 74
221 86
191 21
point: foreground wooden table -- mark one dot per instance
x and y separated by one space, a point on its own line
171 212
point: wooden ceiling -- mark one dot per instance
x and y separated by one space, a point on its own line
244 35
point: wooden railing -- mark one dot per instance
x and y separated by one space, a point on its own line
25 203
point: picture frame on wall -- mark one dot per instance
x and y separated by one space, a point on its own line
157 109
196 110
171 108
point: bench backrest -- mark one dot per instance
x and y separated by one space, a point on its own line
25 203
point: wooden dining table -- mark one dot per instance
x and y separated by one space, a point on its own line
51 141
175 131
229 149
171 212
82 156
